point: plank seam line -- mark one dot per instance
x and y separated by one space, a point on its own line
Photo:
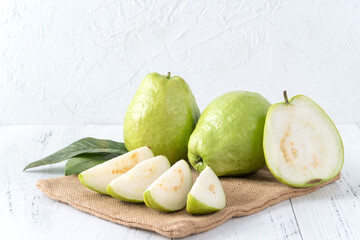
297 223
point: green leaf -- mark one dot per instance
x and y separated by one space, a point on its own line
85 161
85 145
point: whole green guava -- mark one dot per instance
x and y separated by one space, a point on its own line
162 115
229 135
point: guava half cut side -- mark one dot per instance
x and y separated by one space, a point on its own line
302 146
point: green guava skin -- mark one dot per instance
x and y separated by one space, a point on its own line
81 179
151 203
284 181
162 115
195 207
112 193
229 135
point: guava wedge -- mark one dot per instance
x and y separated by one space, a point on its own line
302 146
130 186
206 195
98 178
168 192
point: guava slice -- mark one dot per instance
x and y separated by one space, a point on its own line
206 195
130 186
168 192
302 146
98 178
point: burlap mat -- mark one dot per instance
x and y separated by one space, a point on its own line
244 196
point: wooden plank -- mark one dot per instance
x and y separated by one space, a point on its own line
276 222
333 212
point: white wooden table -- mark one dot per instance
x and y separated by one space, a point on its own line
333 212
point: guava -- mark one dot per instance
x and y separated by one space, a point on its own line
229 135
162 115
302 146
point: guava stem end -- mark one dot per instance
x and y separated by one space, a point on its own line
286 97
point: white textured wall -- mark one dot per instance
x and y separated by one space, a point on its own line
80 61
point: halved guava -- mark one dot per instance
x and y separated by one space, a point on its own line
302 146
